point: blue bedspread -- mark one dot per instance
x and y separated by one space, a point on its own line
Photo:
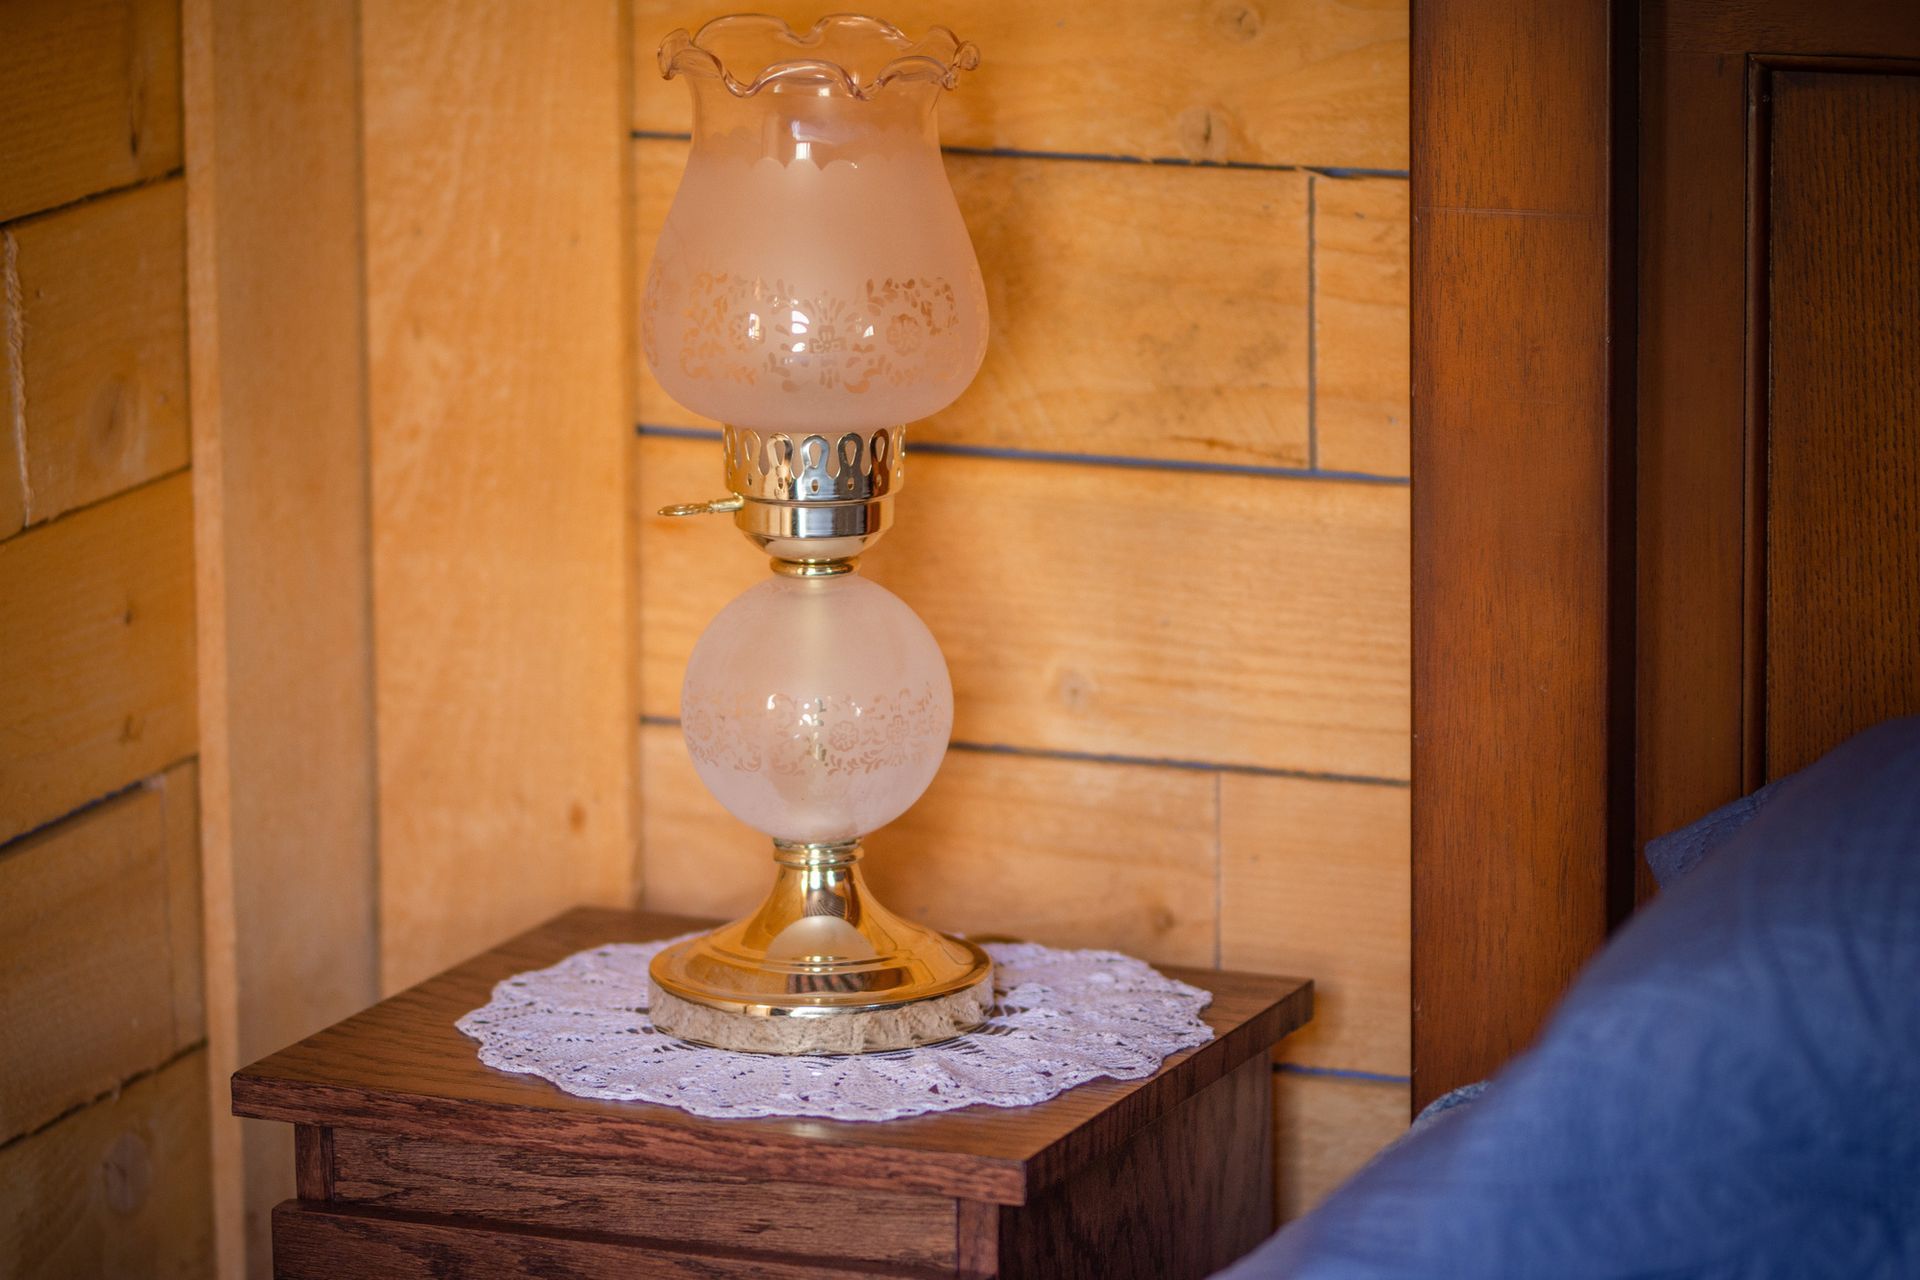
1732 1088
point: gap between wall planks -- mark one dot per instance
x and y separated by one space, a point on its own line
499 299
280 470
1322 83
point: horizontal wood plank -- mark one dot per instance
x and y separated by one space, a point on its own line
89 98
101 363
556 1192
97 642
100 944
1315 878
1160 614
1325 1130
116 1189
1314 82
1065 852
1147 312
1362 365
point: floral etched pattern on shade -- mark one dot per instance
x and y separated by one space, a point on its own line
828 735
892 334
816 709
814 273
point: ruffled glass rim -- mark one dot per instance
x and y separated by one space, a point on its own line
936 58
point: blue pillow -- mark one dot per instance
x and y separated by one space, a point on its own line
1731 1089
1678 852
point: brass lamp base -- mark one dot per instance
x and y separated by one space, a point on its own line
820 968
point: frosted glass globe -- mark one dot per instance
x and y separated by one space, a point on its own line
817 709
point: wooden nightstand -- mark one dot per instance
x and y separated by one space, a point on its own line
414 1159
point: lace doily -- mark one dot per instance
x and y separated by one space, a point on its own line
1061 1018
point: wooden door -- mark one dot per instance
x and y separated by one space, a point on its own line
1779 433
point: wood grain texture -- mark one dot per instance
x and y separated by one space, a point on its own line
13 501
89 98
278 382
1521 672
1317 82
97 640
1148 312
1314 879
1289 652
1176 1202
498 277
1863 28
401 1068
1326 1129
1843 413
556 1192
1360 331
102 352
315 1243
115 1189
1069 853
313 1161
1692 488
100 944
1703 352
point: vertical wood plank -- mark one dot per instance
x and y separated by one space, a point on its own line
278 389
101 374
1362 366
89 98
1314 881
1522 551
498 271
97 640
1843 414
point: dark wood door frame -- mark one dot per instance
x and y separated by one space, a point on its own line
1524 268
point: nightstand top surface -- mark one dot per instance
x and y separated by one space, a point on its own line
400 1067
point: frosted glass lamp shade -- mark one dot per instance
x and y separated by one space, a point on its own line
814 273
817 709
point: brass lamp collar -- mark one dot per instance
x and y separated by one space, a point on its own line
809 499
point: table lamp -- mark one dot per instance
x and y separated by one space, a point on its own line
814 290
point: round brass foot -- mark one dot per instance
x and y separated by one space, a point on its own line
820 968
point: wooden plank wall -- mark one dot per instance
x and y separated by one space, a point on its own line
498 246
1178 624
280 480
103 1059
